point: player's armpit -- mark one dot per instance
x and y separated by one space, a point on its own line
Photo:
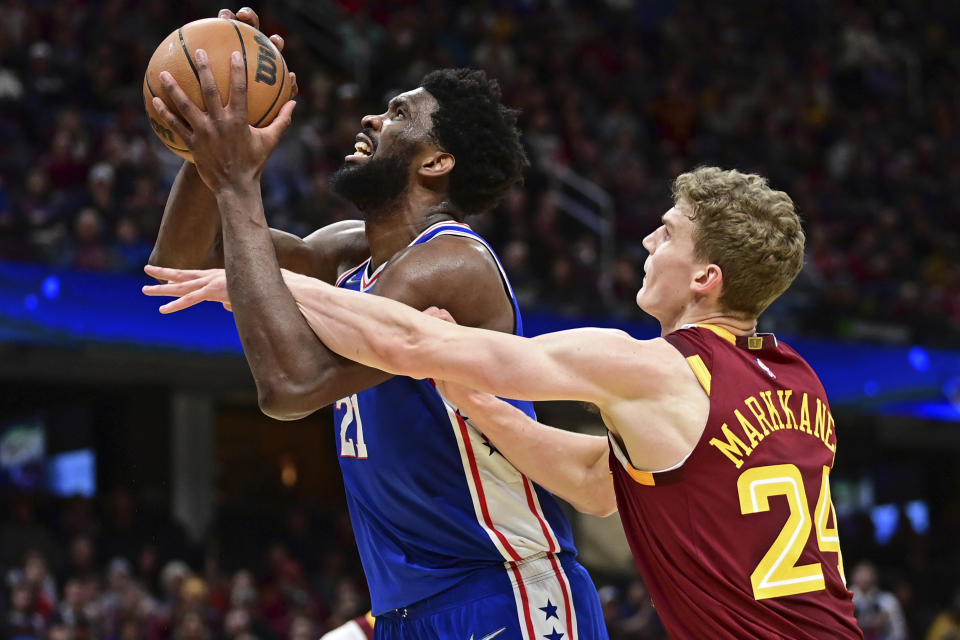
326 252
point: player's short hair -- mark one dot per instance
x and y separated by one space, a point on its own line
472 124
752 232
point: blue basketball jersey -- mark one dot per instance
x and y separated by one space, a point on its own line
430 498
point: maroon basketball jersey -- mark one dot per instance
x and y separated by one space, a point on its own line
740 540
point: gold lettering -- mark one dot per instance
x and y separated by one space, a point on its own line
754 405
748 429
831 446
784 396
820 426
767 397
734 448
805 415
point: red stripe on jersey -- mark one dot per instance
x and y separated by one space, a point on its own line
536 512
475 472
366 284
346 274
524 601
566 594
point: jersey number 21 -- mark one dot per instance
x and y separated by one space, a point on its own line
348 447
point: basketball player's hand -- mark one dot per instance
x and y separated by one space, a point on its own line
460 396
228 152
249 16
188 286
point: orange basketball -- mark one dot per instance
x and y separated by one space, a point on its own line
268 87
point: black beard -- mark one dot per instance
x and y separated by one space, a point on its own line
376 184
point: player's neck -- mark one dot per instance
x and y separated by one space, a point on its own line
738 326
391 232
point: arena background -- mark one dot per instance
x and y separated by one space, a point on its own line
145 496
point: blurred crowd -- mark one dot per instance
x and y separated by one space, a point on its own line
851 107
118 567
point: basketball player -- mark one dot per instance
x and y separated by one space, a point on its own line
455 542
721 439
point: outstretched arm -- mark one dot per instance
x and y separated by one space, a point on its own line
599 366
591 365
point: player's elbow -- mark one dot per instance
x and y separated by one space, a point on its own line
282 402
163 255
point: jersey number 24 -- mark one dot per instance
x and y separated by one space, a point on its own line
778 573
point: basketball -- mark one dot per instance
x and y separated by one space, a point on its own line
268 87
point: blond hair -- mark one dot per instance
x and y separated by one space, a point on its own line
749 230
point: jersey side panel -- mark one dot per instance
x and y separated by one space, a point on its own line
430 501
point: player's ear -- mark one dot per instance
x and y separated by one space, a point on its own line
707 279
437 164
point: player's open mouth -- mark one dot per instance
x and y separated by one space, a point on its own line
362 149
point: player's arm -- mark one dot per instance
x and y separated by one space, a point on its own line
295 373
593 365
574 466
189 234
600 366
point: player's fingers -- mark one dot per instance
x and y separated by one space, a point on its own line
173 289
282 122
294 89
228 307
277 41
248 15
208 85
238 86
187 300
164 273
180 304
226 14
177 275
174 121
441 314
188 111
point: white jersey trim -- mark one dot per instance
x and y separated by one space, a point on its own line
505 501
543 597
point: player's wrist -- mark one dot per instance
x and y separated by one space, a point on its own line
233 190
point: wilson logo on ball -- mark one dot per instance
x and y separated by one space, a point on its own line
161 130
266 62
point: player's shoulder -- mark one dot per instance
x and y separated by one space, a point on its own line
455 273
451 258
